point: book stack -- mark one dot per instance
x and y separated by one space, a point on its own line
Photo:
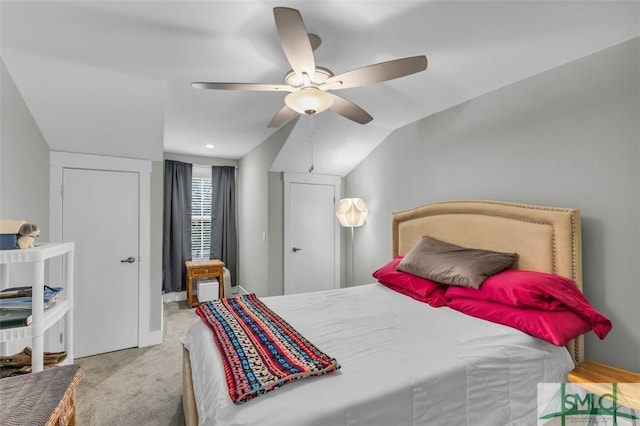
15 304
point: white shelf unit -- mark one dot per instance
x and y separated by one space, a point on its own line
41 319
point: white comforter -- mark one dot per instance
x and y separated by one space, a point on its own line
403 363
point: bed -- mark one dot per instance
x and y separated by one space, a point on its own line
403 361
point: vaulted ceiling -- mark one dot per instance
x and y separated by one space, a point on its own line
113 77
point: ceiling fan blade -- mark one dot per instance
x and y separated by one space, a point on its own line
284 115
249 87
315 41
295 40
379 72
349 110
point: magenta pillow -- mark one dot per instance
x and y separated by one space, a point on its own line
410 285
536 290
557 327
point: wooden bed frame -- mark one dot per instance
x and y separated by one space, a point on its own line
547 239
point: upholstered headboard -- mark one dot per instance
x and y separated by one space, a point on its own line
547 239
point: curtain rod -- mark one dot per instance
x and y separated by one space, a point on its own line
209 165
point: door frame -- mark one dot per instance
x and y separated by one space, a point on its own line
58 161
309 178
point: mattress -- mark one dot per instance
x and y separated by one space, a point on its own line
403 363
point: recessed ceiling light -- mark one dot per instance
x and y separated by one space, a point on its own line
210 145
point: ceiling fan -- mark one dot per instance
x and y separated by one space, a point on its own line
309 85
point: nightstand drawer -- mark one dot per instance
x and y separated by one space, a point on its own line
205 272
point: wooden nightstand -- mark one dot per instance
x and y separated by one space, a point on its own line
196 269
594 377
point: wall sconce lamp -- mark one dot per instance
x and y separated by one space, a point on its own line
352 213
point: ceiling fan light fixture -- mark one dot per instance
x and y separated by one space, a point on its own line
309 100
308 84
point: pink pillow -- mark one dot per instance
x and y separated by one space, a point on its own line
557 327
410 285
536 290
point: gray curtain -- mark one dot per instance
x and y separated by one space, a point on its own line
224 245
176 229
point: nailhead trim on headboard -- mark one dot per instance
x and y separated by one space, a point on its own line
575 237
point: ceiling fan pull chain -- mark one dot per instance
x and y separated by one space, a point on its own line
310 142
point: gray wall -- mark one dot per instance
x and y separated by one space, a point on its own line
24 161
201 160
258 260
24 167
275 254
568 137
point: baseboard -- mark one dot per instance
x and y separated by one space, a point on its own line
151 338
174 296
178 296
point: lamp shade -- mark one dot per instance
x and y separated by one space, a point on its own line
352 212
309 100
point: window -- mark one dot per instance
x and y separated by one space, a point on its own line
200 212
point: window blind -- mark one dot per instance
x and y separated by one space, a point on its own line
200 217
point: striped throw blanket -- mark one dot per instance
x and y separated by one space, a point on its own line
260 351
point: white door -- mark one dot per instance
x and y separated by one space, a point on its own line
100 215
312 249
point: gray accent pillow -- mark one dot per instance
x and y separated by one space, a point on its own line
451 264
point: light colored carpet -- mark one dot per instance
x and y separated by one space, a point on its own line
138 386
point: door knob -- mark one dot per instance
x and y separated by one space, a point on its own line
129 259
295 249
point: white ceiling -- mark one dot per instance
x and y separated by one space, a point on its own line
113 77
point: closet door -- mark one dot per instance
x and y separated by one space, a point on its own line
312 245
100 215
